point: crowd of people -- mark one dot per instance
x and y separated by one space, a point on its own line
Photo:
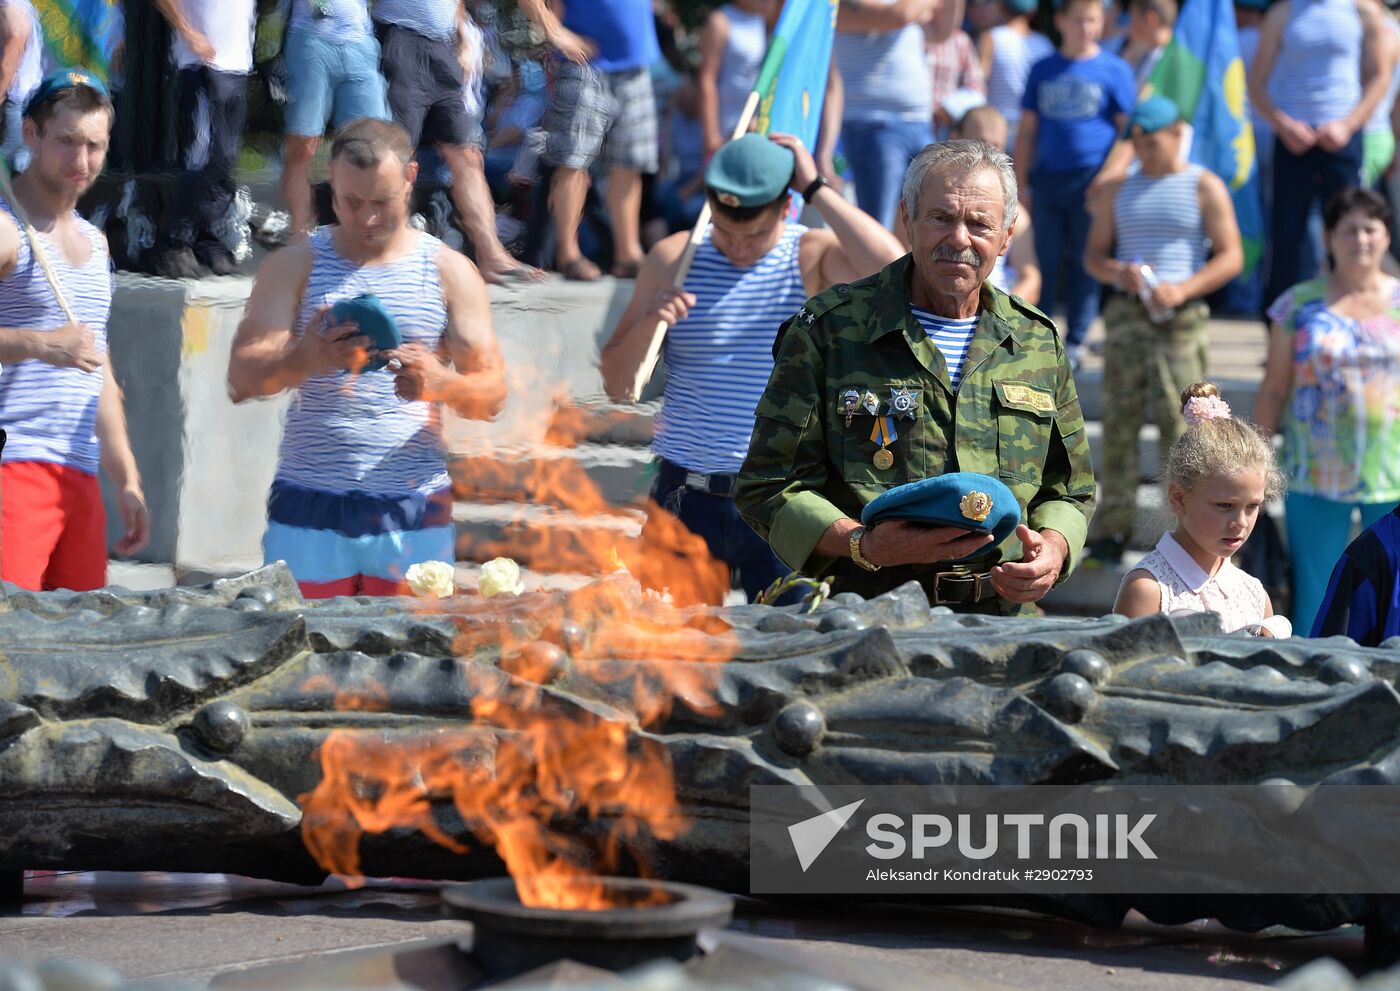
971 179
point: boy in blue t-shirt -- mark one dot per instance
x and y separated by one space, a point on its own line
1075 104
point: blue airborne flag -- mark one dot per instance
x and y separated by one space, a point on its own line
792 81
1203 74
82 32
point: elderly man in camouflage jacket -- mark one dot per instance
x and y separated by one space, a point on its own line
923 369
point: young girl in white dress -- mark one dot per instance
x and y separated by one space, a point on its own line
1219 475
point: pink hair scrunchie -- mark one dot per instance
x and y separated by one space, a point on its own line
1199 409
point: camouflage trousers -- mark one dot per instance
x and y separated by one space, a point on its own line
1143 364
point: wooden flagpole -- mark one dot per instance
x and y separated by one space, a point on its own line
36 246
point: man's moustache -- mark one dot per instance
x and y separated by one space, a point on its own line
967 256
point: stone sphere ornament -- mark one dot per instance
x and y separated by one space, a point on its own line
221 726
1343 670
1088 664
1069 697
799 728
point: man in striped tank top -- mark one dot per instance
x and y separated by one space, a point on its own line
59 403
361 491
1162 218
751 272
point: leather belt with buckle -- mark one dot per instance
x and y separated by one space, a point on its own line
716 485
956 587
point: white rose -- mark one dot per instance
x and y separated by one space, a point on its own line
501 576
431 579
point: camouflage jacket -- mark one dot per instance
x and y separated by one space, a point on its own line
1014 415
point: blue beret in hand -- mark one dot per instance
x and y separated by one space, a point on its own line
374 321
979 503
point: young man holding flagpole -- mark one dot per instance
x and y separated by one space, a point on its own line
752 270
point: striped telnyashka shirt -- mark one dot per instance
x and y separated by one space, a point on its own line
1317 76
430 18
1158 219
49 413
351 433
951 337
885 75
1013 54
719 358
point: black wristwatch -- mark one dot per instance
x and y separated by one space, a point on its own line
817 184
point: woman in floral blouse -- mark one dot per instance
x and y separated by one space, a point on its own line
1332 387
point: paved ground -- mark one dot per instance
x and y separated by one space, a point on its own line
239 933
1237 350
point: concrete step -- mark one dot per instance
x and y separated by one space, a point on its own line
586 478
577 422
139 577
468 578
544 538
1239 391
1154 516
1149 448
1092 588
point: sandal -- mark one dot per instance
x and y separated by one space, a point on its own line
626 270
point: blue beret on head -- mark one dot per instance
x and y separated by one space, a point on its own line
1022 6
749 171
65 79
966 499
1153 114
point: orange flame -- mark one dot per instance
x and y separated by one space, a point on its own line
564 793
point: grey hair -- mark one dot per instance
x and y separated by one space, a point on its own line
964 156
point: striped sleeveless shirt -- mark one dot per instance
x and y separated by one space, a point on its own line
430 18
1158 219
351 433
719 358
49 413
885 75
1013 54
743 55
1317 77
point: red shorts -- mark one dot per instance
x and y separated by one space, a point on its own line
53 531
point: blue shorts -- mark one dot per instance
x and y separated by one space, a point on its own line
325 75
353 543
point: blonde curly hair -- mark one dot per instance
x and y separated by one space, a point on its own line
1220 445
